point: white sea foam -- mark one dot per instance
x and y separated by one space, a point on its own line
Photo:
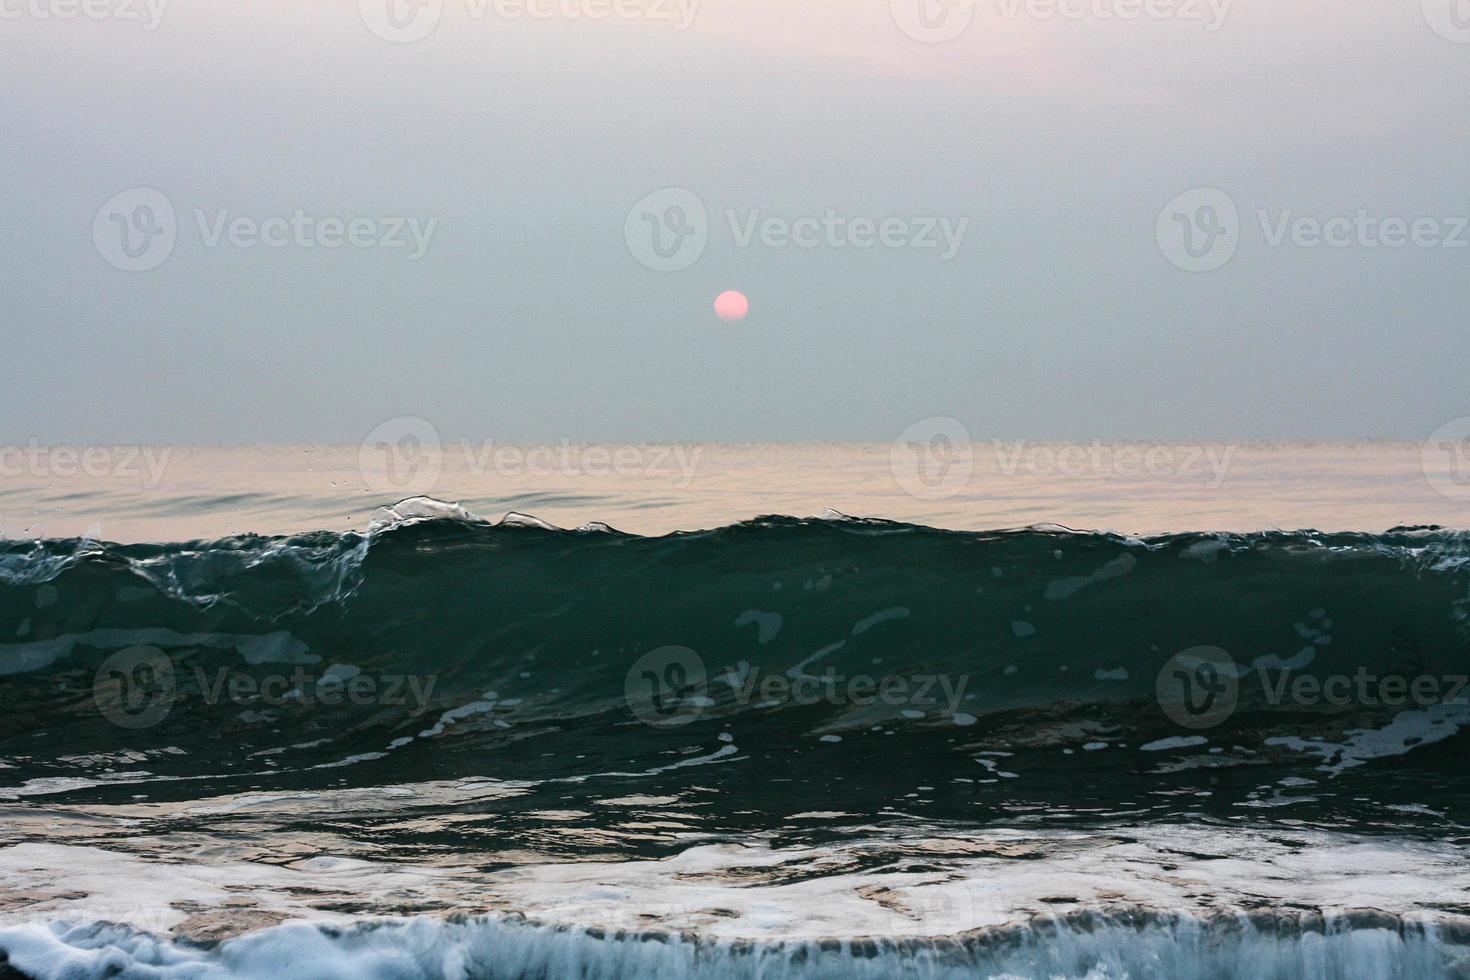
1406 731
1164 902
498 949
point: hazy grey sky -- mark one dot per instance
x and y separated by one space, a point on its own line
1054 140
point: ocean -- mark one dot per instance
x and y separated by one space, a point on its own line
930 709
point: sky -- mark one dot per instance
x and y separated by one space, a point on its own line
1046 219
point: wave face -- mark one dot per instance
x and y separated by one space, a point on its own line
462 698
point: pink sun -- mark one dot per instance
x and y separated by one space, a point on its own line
731 306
